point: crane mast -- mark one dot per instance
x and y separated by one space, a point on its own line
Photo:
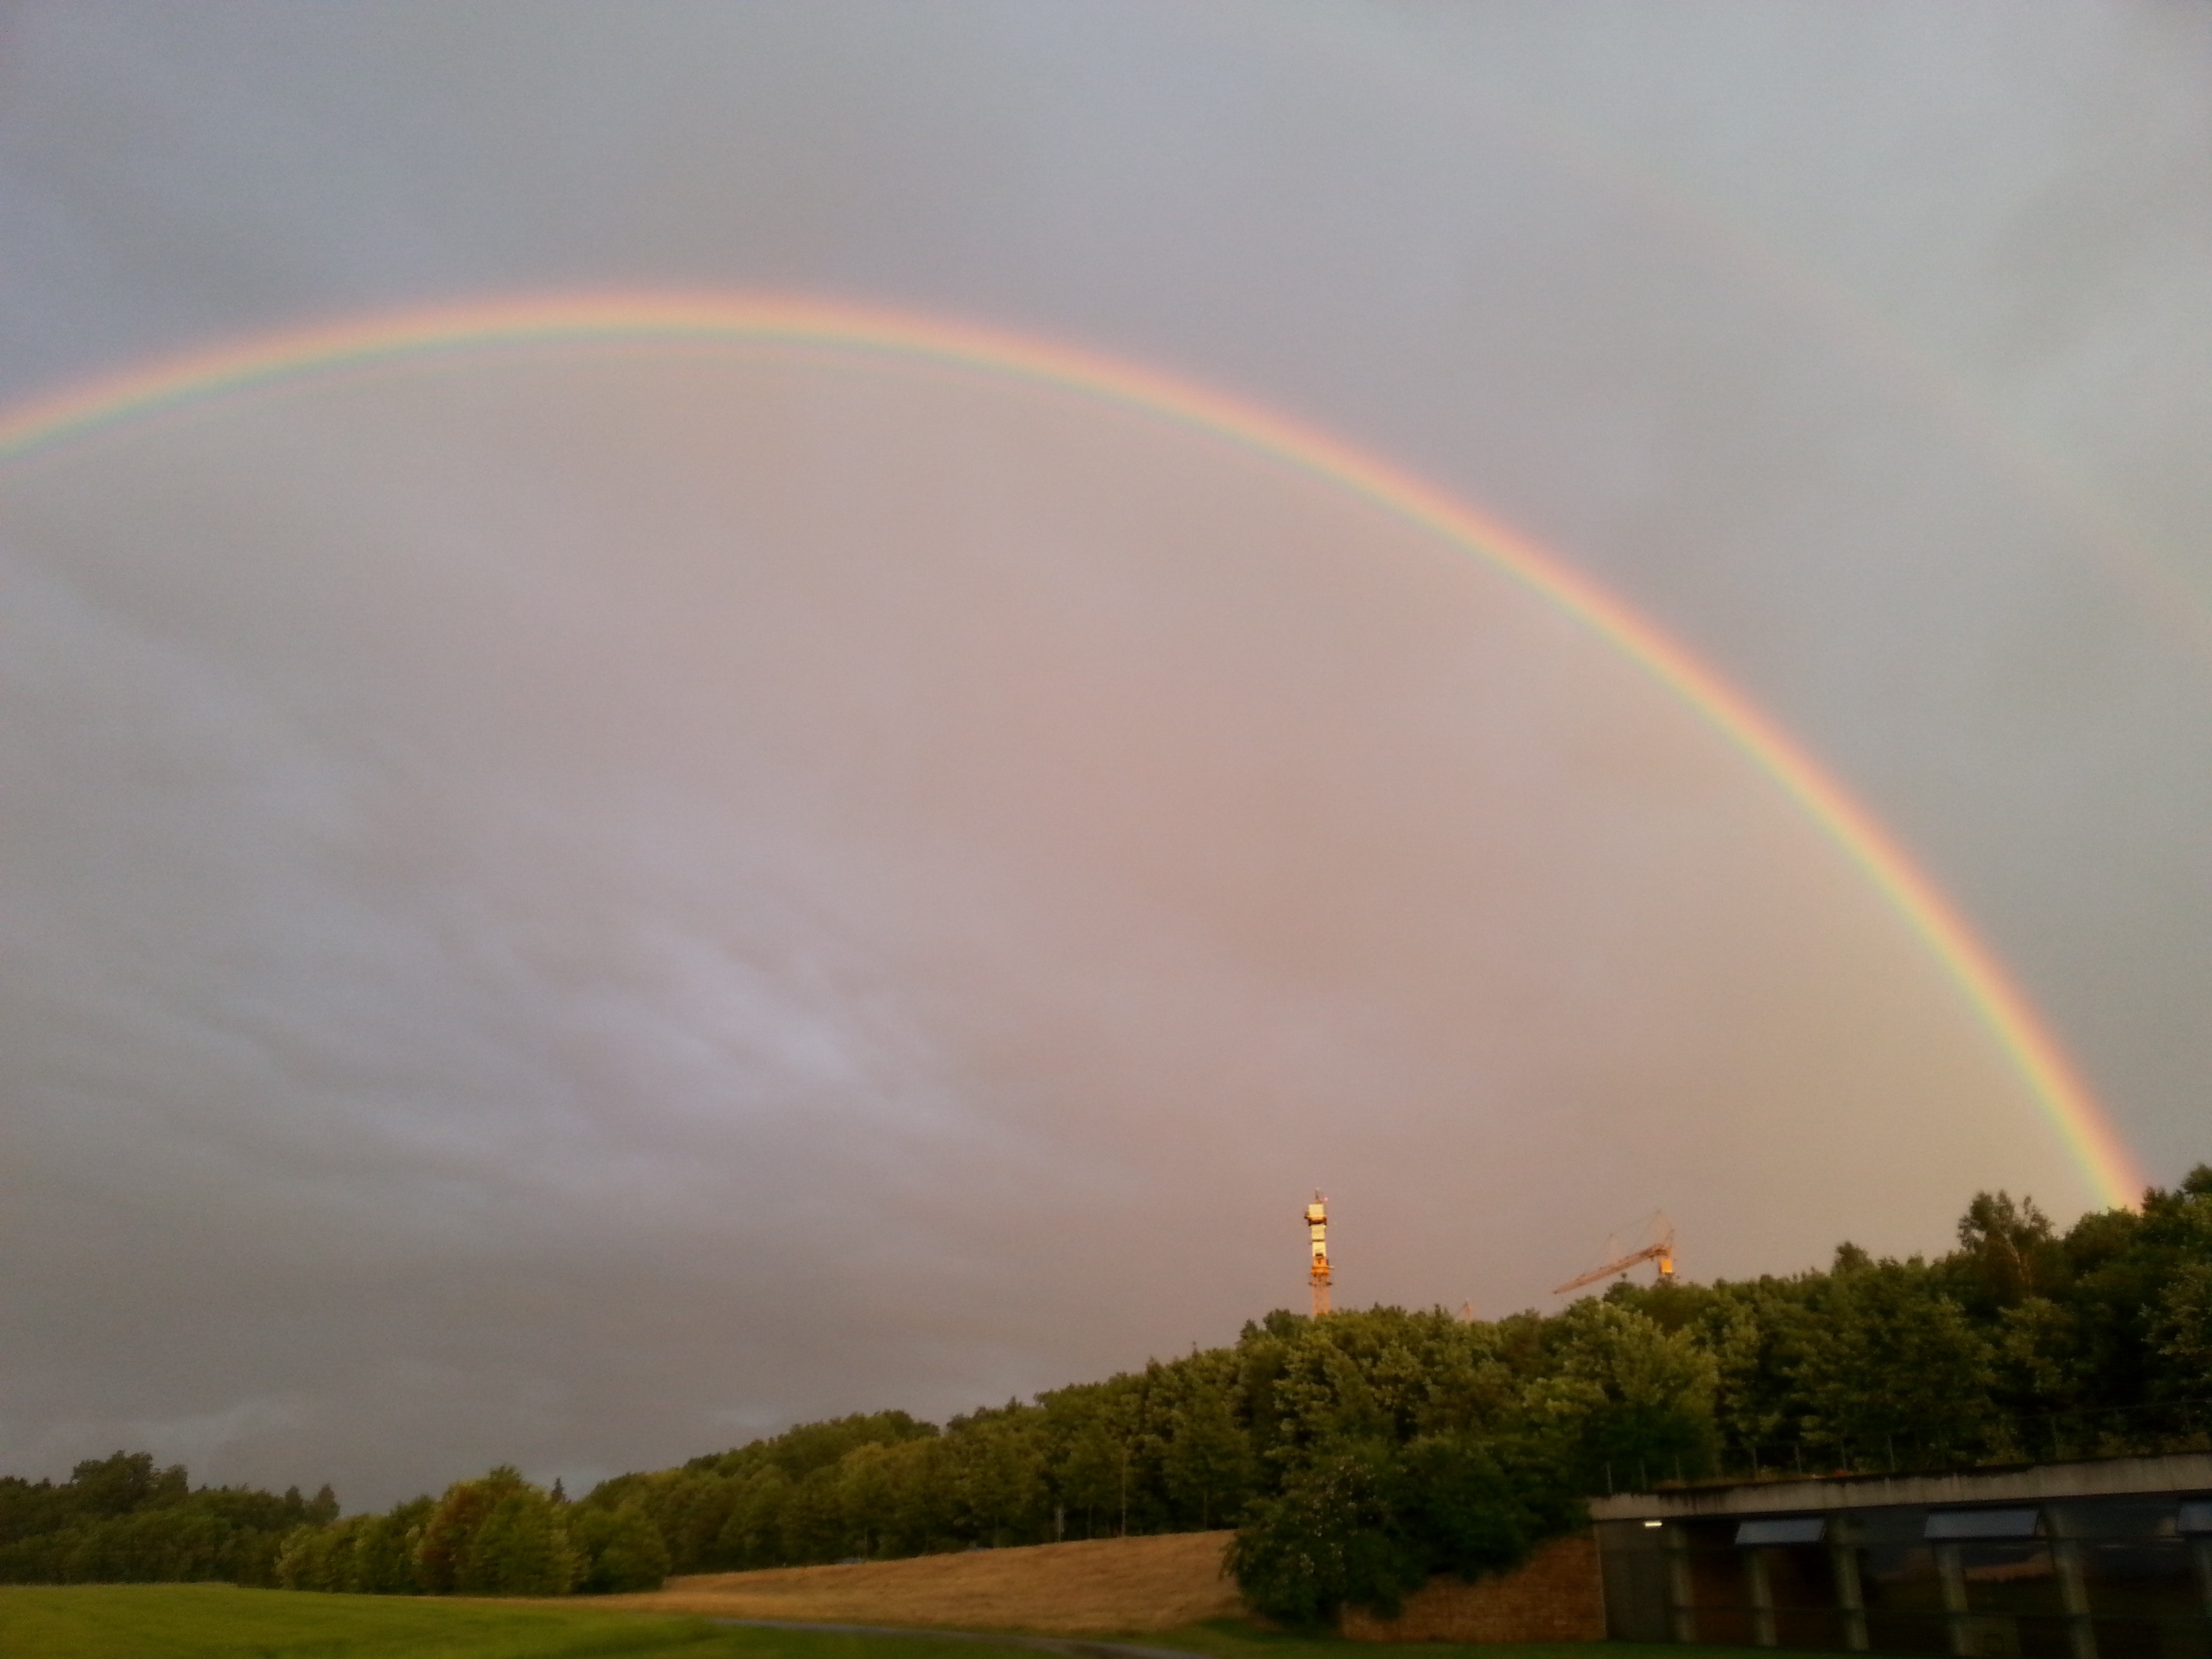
1317 1228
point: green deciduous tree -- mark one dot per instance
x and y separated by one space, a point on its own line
1892 1369
1333 1535
519 1548
498 1535
1208 1464
1649 1393
618 1551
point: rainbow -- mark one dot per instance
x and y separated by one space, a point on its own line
2071 1110
2135 557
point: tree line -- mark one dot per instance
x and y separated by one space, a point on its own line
120 1520
1360 1454
497 1536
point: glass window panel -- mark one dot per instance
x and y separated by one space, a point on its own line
1716 1580
2149 1578
2051 1637
1900 1578
1780 1529
1906 1632
2010 1578
1948 1524
1800 1576
2115 1516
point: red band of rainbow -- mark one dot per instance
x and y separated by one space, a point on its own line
2071 1110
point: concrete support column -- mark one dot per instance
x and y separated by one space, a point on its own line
1953 1573
1681 1610
1762 1597
2073 1588
2074 1596
1850 1596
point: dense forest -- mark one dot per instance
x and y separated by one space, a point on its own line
1360 1453
121 1519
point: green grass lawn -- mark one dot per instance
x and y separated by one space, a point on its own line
214 1621
1228 1638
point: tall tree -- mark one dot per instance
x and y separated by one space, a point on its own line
1208 1465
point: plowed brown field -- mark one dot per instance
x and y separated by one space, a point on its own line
1103 1585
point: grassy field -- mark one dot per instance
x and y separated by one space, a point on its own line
1230 1639
210 1621
199 1621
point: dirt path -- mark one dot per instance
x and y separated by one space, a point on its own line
1107 1584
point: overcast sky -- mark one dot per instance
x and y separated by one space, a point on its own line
573 907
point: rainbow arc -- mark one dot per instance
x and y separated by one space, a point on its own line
2066 1102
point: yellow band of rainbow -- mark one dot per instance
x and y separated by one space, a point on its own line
2072 1111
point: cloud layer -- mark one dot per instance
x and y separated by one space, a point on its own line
571 906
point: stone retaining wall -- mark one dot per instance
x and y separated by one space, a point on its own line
1554 1596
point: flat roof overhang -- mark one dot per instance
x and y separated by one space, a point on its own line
2185 1474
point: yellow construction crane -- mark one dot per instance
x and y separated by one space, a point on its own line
1317 1225
1660 1250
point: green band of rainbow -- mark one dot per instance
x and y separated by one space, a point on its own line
2080 1123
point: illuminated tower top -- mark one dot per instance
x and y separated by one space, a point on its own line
1317 1225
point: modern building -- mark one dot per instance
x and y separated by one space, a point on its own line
2110 1560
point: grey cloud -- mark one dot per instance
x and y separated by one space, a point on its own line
570 906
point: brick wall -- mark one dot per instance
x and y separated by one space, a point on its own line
1554 1596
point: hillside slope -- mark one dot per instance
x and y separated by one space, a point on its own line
1102 1585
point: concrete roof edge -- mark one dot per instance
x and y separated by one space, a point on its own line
2186 1472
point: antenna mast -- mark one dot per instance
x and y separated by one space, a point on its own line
1317 1224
